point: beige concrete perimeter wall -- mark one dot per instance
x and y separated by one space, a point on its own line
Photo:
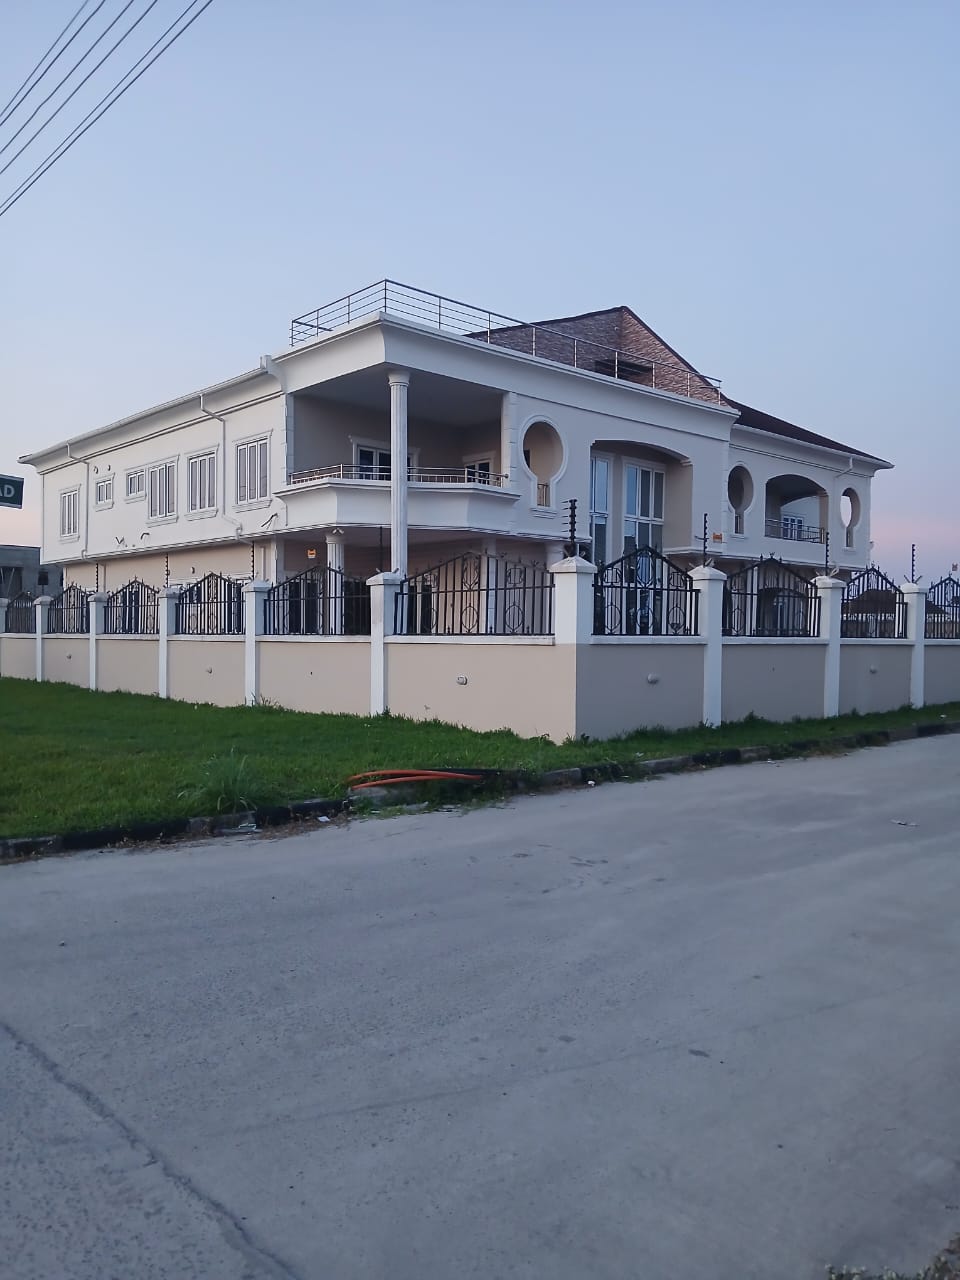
66 659
614 695
773 681
206 670
128 665
316 675
942 672
524 687
18 657
884 690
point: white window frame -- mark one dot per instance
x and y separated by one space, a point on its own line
378 446
68 534
196 463
605 517
102 504
637 518
167 511
141 491
242 448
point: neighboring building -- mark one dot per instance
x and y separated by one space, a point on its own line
21 571
400 429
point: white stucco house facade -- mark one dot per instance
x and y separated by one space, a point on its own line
400 428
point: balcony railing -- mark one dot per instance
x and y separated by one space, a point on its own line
416 475
467 321
793 530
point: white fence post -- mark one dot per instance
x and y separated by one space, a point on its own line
709 583
167 627
384 588
573 600
97 605
916 601
830 591
42 606
254 595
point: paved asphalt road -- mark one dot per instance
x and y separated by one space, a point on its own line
706 1026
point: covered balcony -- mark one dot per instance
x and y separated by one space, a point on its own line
795 510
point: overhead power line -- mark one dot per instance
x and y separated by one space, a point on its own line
83 57
30 84
106 102
76 89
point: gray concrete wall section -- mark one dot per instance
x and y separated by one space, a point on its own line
874 676
776 680
703 1026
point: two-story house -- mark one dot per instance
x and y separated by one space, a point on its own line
400 428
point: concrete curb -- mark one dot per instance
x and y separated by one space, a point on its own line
19 849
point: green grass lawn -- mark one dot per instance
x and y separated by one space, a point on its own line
73 760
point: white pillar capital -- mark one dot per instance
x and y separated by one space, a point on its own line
398 377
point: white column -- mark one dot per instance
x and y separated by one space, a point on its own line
98 602
510 439
916 598
42 606
167 627
831 616
573 600
335 561
383 594
399 380
3 615
709 583
254 595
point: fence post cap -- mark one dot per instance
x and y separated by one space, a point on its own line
913 589
829 584
390 579
43 600
707 573
170 593
3 602
573 564
99 597
255 585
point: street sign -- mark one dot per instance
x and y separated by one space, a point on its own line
11 491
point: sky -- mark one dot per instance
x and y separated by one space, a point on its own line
773 187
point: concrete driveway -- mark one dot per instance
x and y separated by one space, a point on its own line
706 1026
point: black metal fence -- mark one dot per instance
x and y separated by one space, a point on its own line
69 612
211 607
476 595
770 599
22 614
131 610
644 594
943 610
318 602
874 608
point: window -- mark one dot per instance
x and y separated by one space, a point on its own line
203 482
70 514
103 495
162 491
599 507
252 481
478 471
373 464
136 484
643 509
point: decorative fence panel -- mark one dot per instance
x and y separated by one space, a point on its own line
69 612
476 595
318 602
770 599
644 594
211 607
131 610
874 608
22 614
943 610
